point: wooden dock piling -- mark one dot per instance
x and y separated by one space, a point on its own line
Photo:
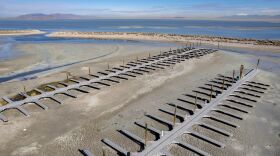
146 134
258 63
211 93
174 118
241 71
89 72
67 75
223 82
233 74
103 151
195 102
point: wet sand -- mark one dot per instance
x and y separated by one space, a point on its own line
67 55
83 122
20 32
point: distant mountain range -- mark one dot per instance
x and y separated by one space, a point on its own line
39 16
58 16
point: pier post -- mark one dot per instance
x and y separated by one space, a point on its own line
223 83
89 73
233 74
108 65
103 151
241 71
24 89
146 133
195 102
67 75
174 118
149 55
258 63
211 93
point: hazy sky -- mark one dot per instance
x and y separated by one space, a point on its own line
142 8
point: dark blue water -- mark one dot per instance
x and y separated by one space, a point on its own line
239 29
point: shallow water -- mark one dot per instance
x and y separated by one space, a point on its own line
6 46
31 74
257 30
9 52
269 61
240 29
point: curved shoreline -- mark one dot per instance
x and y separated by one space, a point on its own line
164 37
20 32
35 72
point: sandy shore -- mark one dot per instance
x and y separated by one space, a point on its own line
38 56
74 55
271 45
83 122
20 32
